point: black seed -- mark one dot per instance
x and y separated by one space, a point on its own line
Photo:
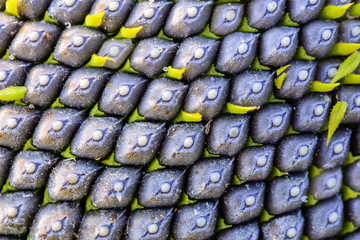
31 169
325 219
298 80
83 87
96 137
17 124
150 56
349 31
304 11
195 55
270 123
43 84
278 46
122 94
265 14
237 52
17 211
195 221
56 128
351 95
139 142
336 152
243 203
13 73
150 15
162 99
228 134
183 144
352 211
352 176
115 187
226 18
287 193
161 188
311 112
70 14
296 152
149 224
113 19
251 88
289 226
319 37
9 27
247 231
207 96
327 70
116 49
71 180
35 41
77 44
326 184
209 178
5 163
255 163
103 224
56 221
188 18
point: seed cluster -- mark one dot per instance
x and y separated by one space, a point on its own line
182 120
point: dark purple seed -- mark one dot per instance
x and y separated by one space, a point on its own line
356 141
278 46
162 99
96 137
138 142
353 236
265 14
226 18
150 15
12 73
183 144
195 54
151 56
319 37
287 193
298 80
304 11
9 27
352 211
352 176
195 221
43 84
83 87
122 94
6 156
71 180
77 44
336 152
161 188
56 221
351 95
115 187
246 231
31 169
228 134
255 163
209 178
349 31
207 96
311 112
326 184
17 211
243 203
327 70
289 226
102 224
237 52
69 12
56 128
188 18
17 124
325 219
296 152
116 49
